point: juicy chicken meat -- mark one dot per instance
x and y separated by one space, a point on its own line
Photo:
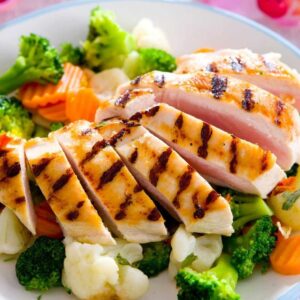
175 184
221 158
14 186
119 198
265 71
235 106
63 191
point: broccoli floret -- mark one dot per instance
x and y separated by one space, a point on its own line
107 44
252 248
40 266
15 120
145 60
37 61
156 258
217 283
56 125
71 54
247 208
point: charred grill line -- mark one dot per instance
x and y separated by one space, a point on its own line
211 197
151 112
248 103
20 200
206 133
80 204
179 121
73 215
13 170
136 80
137 189
154 215
98 146
123 206
236 64
38 168
218 86
134 155
264 161
159 80
62 180
123 99
136 117
114 139
233 149
199 210
160 166
110 174
279 109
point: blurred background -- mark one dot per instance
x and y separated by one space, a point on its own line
283 16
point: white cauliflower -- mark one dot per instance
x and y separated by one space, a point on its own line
92 273
199 253
149 36
13 235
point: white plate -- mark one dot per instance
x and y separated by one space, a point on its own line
188 27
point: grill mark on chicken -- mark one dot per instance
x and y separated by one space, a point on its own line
199 210
62 180
86 131
136 80
211 197
13 170
160 166
73 215
159 80
265 161
151 112
38 168
123 206
136 117
130 124
114 139
123 99
206 133
236 64
212 68
154 215
279 107
218 86
179 121
3 153
184 182
248 103
233 149
98 146
134 155
20 200
80 204
110 174
137 189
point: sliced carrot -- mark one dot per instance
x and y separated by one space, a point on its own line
4 140
82 105
287 184
285 259
34 95
46 224
55 112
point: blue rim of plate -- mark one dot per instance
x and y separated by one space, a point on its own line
293 48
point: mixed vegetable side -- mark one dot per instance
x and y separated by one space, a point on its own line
47 89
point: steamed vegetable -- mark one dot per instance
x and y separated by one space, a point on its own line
56 125
217 283
14 119
156 257
13 235
107 44
71 54
253 247
40 266
37 61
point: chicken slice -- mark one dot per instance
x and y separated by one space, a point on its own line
235 106
14 186
119 198
265 71
63 191
176 185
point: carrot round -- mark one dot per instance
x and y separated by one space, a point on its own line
285 259
35 95
55 112
82 105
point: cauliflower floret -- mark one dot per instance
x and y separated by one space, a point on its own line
202 251
89 274
149 36
133 283
13 235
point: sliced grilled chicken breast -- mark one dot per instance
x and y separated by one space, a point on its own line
14 187
63 191
265 71
220 157
235 106
119 198
161 171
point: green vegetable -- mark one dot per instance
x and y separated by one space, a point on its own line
217 283
14 119
107 44
247 208
290 199
188 260
121 260
292 171
37 61
56 125
71 54
36 194
145 60
156 258
40 266
40 131
252 248
224 191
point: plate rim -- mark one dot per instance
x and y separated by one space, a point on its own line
242 19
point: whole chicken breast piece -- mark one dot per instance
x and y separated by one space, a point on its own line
64 193
177 186
14 185
121 201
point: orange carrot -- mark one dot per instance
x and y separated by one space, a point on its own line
287 184
46 224
55 112
82 105
285 259
34 95
4 140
